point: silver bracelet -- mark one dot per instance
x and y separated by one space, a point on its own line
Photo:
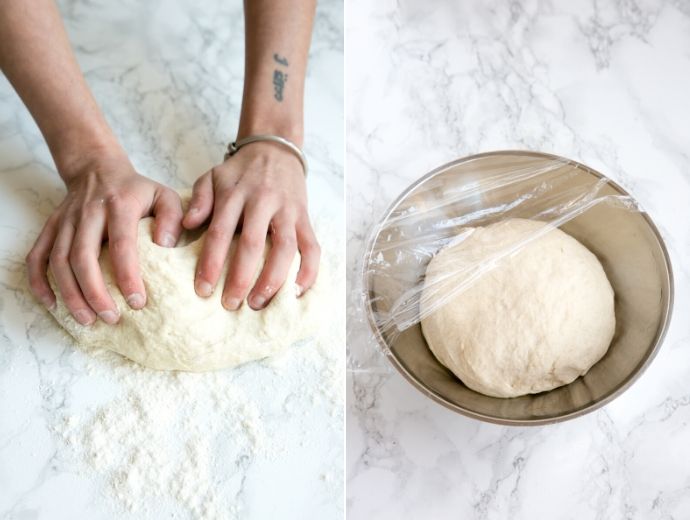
236 145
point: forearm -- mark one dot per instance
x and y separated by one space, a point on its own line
35 56
277 37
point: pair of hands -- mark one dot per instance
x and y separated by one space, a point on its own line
261 188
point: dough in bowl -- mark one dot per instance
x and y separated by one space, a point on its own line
541 317
178 330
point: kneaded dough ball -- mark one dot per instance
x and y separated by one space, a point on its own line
541 318
178 330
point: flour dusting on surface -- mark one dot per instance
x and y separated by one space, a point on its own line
176 443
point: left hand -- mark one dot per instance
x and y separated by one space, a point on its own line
263 187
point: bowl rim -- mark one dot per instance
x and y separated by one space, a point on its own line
627 382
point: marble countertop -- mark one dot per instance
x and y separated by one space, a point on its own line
604 83
169 78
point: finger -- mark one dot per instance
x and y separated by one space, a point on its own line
37 263
217 243
275 271
123 224
310 253
168 224
201 204
86 248
243 265
64 278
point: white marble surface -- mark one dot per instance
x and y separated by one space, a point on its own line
168 75
605 83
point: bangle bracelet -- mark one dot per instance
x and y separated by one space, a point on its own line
234 147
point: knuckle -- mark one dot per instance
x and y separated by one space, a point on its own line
285 241
127 284
226 194
199 199
91 209
126 277
74 303
267 197
289 215
35 284
312 248
218 233
270 284
200 180
96 299
58 257
211 266
238 284
307 270
31 257
196 187
79 259
72 298
252 241
114 201
266 186
171 200
119 245
92 297
122 202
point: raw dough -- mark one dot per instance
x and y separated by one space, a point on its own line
177 330
537 321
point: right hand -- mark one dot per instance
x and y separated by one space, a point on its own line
106 198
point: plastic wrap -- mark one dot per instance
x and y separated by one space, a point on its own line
443 209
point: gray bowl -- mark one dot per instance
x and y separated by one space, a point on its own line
627 243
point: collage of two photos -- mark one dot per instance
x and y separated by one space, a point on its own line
317 259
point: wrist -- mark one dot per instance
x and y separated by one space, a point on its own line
105 163
290 128
77 153
79 136
272 151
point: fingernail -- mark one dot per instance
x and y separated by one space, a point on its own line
84 317
193 210
135 300
168 240
299 290
232 304
110 317
49 303
258 301
204 289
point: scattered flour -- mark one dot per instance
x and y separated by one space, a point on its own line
179 440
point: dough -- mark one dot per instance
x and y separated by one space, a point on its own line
541 318
178 330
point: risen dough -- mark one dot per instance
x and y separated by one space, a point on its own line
177 330
537 321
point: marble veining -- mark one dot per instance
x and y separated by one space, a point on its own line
604 83
168 75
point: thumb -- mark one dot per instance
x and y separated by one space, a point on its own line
201 204
167 210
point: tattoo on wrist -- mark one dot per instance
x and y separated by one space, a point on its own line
279 59
279 77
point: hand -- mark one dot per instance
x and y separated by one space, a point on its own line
105 197
263 185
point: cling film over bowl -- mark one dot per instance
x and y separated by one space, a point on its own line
457 201
436 213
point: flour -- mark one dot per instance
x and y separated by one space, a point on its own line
158 440
177 442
